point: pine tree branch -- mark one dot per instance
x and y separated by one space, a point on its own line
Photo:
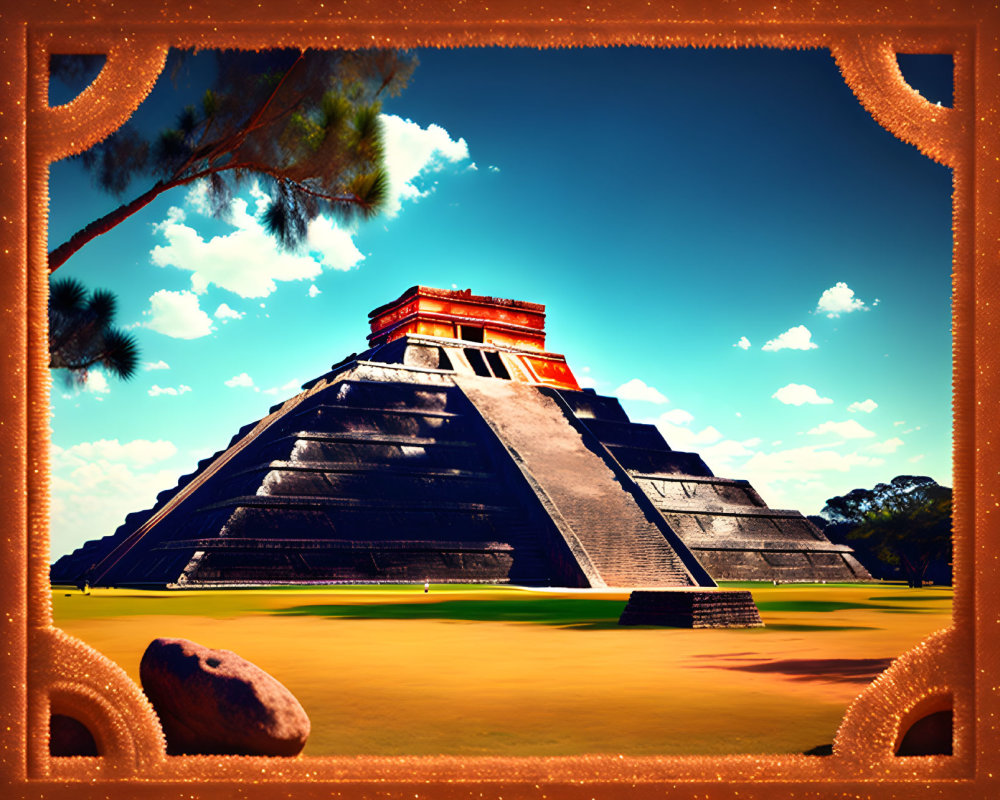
333 199
251 124
207 154
59 255
62 253
74 366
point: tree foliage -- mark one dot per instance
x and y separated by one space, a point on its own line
904 524
82 333
305 124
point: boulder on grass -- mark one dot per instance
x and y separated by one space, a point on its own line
214 702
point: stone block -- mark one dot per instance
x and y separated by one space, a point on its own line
692 608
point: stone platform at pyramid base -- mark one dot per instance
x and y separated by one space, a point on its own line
820 563
692 608
249 563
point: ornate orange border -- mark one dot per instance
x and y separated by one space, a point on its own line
41 668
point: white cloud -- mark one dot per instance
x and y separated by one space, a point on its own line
491 168
743 343
721 455
707 436
91 381
802 464
897 423
246 262
888 446
798 477
151 365
249 262
915 459
314 290
94 485
240 380
680 437
156 391
292 386
849 429
196 198
583 376
177 314
677 416
224 312
334 244
635 389
138 452
837 300
797 394
797 338
867 406
96 383
709 442
411 150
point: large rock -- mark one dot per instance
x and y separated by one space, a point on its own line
214 702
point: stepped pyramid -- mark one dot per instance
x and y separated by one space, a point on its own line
455 448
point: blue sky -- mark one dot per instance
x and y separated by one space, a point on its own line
724 239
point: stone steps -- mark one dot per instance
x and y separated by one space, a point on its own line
599 518
692 608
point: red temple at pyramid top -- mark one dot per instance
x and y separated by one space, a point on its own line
509 333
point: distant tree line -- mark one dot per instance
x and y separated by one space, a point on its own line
899 530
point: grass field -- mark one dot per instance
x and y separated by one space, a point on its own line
471 670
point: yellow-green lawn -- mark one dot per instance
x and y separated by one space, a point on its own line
508 671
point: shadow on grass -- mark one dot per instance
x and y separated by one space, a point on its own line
791 626
577 613
836 670
817 606
918 596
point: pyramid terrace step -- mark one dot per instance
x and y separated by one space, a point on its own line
351 467
481 487
375 454
737 511
770 546
646 459
397 412
674 478
392 394
338 419
348 503
318 447
627 434
362 437
704 529
696 492
587 406
261 543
